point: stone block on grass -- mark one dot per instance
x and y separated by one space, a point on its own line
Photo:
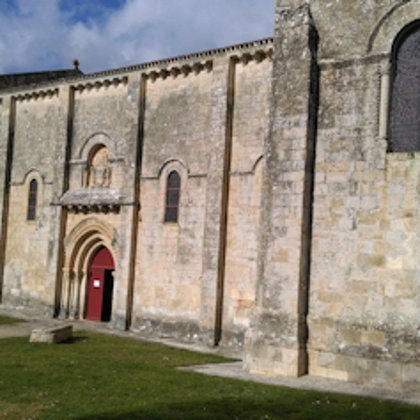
51 335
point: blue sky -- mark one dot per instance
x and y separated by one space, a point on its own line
39 35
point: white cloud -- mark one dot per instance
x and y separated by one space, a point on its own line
40 36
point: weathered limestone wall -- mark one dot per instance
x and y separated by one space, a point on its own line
250 127
168 263
347 28
108 114
364 323
364 305
177 265
359 321
177 122
206 120
27 259
219 157
275 339
169 255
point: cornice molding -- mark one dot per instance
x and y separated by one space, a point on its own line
37 94
98 84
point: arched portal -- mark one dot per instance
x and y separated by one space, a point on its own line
100 286
91 248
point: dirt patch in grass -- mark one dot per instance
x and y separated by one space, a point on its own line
9 320
10 411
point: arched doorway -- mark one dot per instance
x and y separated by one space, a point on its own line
100 286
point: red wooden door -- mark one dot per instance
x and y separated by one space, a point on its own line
102 265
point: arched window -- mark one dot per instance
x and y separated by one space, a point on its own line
173 188
98 172
32 198
405 103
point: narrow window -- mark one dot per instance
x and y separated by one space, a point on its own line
405 105
32 196
172 197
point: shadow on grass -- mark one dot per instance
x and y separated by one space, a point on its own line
74 340
269 409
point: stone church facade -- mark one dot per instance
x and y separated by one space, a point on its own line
263 197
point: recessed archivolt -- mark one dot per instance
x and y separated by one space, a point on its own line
169 166
29 176
397 17
85 236
84 253
81 246
33 173
96 139
173 164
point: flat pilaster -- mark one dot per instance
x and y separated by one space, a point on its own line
276 341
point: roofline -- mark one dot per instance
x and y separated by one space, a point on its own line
28 73
162 63
185 57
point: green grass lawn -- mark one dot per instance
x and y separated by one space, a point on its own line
8 320
104 377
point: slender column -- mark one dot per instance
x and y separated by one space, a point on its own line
384 101
70 296
79 279
65 292
73 297
82 294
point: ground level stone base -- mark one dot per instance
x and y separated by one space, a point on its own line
187 331
271 360
362 370
36 309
